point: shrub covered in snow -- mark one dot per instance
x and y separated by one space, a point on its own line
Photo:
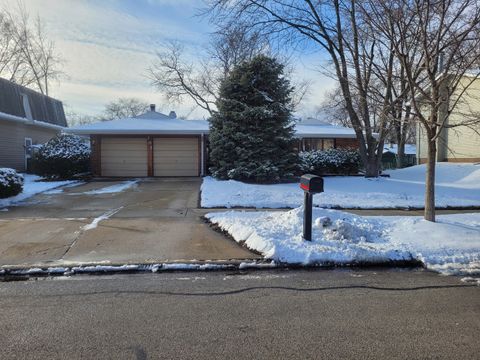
11 183
62 157
331 161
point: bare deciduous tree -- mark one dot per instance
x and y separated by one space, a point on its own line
440 70
231 45
124 108
27 57
177 78
338 28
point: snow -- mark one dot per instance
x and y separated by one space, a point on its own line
325 131
113 188
156 123
106 268
32 186
450 246
62 189
65 146
458 185
142 125
105 216
410 149
10 177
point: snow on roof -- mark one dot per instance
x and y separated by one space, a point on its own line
9 117
410 149
148 123
156 123
324 131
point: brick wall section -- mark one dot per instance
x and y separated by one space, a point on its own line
346 143
95 144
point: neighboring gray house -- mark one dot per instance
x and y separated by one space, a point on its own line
26 118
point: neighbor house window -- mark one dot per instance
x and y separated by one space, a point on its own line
318 144
26 107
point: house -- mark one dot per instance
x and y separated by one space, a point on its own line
26 118
462 143
389 156
154 144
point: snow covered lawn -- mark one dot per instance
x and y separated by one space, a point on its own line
33 186
458 185
450 246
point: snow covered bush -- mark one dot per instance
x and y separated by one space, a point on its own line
62 157
330 161
11 183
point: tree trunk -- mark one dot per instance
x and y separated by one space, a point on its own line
400 155
372 167
430 182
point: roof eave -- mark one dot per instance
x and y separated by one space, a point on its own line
22 120
136 132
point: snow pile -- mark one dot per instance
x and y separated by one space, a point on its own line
113 188
451 246
458 185
32 186
339 238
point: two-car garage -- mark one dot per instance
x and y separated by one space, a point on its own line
138 156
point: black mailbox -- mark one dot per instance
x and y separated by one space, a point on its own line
311 183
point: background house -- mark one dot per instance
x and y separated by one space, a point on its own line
457 144
389 157
154 144
26 118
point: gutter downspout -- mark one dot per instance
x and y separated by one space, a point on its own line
202 155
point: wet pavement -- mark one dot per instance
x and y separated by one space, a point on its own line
156 220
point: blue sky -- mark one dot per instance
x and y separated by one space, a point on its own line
107 45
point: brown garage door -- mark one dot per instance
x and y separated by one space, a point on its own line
175 156
124 156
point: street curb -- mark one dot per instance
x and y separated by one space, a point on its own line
16 273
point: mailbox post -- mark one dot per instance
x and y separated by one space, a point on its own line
310 184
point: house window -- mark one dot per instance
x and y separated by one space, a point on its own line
328 144
26 107
318 144
312 144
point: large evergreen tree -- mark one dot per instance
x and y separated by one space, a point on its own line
251 135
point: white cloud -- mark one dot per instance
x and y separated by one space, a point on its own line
106 50
107 46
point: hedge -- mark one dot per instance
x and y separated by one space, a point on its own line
11 183
62 157
331 161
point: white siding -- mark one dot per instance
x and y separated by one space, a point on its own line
12 140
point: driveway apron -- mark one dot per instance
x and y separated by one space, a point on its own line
154 220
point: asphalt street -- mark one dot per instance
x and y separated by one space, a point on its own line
283 314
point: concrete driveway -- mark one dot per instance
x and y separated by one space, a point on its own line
156 220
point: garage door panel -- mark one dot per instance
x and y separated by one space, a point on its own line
124 157
175 157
